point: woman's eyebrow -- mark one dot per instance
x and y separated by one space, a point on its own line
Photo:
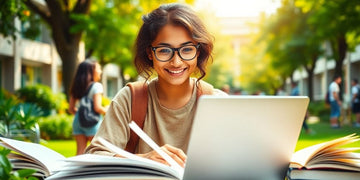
186 43
182 44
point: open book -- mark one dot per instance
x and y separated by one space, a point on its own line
327 160
52 165
27 155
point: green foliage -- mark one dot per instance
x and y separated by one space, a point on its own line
9 10
56 127
31 27
337 23
43 97
18 120
291 42
7 111
319 109
7 172
110 32
223 66
293 39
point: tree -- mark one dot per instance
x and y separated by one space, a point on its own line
9 10
69 20
337 22
111 29
110 33
57 14
293 42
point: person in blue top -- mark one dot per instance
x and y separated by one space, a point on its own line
88 73
335 101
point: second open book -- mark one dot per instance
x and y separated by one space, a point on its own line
327 161
329 155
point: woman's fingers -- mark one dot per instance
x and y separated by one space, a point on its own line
177 154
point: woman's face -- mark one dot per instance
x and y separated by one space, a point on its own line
97 72
176 71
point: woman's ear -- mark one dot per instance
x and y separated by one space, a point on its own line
149 54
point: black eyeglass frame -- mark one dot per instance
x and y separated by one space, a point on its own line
173 52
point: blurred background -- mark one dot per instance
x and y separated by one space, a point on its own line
261 46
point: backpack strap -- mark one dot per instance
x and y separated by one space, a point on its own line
139 102
88 90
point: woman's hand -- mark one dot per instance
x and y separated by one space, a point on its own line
177 154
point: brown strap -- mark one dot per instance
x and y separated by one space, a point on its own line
139 102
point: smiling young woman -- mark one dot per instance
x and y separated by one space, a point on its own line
173 43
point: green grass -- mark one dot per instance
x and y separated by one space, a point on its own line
64 147
322 130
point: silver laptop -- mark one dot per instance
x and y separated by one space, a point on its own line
244 137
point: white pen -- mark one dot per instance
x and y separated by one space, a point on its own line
154 146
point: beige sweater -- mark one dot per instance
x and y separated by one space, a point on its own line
163 125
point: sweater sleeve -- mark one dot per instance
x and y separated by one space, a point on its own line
114 128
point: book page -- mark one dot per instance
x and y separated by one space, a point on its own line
44 156
99 165
301 157
323 152
128 155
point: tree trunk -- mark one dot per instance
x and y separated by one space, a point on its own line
69 65
310 71
310 84
342 48
67 43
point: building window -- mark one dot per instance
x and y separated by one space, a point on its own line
30 75
111 89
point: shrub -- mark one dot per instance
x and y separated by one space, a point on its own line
18 120
320 109
43 97
56 127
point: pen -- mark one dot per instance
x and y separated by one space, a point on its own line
154 146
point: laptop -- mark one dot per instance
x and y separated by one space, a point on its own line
244 137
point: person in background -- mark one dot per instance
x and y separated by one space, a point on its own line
88 73
296 92
173 43
226 88
335 101
280 92
355 101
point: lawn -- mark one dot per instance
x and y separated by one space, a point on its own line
321 133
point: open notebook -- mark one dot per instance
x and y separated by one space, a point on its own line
244 137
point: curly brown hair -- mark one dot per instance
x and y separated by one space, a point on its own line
175 14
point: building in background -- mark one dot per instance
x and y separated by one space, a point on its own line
25 62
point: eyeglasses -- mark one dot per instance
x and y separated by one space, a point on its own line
164 54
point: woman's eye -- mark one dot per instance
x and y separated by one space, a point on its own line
164 51
187 49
